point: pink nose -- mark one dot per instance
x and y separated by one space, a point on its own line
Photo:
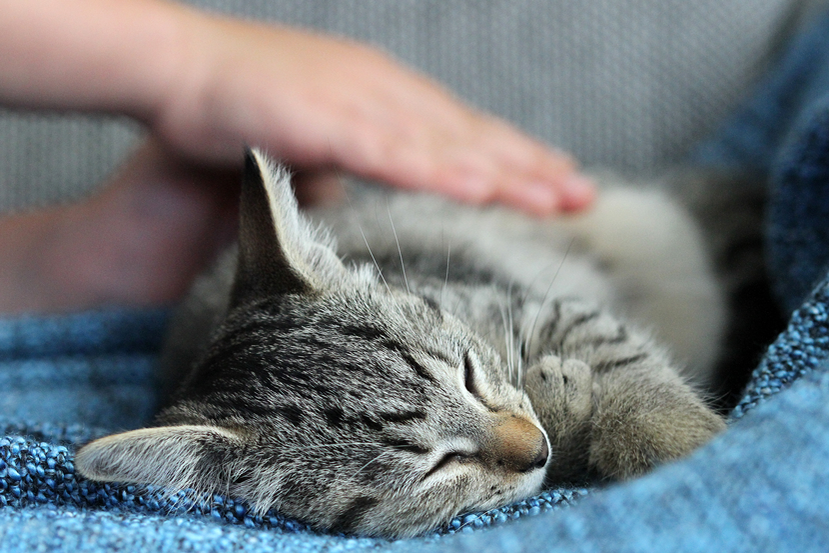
517 445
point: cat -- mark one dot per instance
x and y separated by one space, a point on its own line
440 359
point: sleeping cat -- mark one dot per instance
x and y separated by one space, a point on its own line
440 359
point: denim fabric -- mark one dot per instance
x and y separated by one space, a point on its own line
751 138
798 233
93 368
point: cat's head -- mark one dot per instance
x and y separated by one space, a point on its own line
333 398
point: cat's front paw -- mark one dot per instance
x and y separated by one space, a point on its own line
561 392
560 388
638 425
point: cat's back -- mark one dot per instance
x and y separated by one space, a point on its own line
637 251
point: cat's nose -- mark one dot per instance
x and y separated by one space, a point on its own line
541 459
518 444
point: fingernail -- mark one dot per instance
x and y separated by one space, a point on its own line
477 189
578 191
541 197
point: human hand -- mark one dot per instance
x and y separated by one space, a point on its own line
323 104
205 86
138 241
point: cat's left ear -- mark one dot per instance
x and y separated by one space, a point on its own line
280 251
177 457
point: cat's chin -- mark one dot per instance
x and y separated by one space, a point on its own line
532 484
508 494
402 523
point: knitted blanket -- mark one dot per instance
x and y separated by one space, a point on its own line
759 486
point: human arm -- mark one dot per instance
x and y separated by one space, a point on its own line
204 85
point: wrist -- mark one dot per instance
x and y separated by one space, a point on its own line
163 53
197 111
90 55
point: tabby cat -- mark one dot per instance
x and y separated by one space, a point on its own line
441 359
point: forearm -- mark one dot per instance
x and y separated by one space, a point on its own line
119 56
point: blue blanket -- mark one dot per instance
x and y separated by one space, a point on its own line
760 486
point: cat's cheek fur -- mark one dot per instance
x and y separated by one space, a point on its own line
469 489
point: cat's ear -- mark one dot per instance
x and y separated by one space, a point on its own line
280 251
177 457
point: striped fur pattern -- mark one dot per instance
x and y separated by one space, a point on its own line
440 359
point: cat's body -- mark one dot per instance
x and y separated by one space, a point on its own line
453 360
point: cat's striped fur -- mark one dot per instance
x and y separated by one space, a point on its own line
463 359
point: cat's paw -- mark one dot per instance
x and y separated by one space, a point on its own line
561 392
637 427
560 388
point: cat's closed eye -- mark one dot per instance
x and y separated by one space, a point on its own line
449 458
470 373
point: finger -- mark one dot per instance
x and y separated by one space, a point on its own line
531 167
472 157
318 188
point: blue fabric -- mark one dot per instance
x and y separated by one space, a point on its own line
91 368
751 138
760 486
798 234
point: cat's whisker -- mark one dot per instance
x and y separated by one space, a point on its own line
374 260
177 499
329 446
454 310
546 297
446 276
478 516
399 251
373 459
356 221
508 337
524 338
342 444
512 353
506 331
523 360
528 290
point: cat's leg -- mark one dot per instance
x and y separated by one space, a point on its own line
644 415
642 410
561 393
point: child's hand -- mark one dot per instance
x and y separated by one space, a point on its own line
205 86
322 103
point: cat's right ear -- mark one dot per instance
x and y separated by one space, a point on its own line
279 250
